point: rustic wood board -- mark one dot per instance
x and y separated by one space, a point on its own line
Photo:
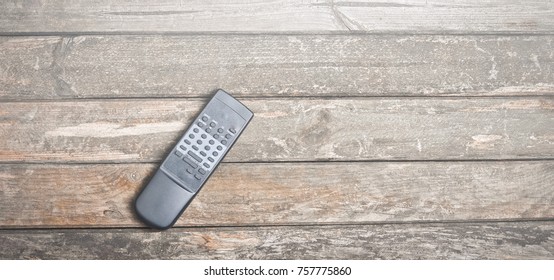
86 195
293 129
451 16
368 16
519 240
274 65
344 159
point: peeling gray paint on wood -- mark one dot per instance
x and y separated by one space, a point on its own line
516 240
269 65
285 129
367 16
240 194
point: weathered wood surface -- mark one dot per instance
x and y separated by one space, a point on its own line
274 65
519 240
285 129
55 196
343 160
368 16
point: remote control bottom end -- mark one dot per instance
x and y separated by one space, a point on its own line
162 202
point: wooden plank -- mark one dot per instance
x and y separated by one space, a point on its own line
292 129
520 240
167 16
368 16
54 196
266 65
450 17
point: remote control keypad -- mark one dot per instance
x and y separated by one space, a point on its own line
202 146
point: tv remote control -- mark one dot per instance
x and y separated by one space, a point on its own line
191 162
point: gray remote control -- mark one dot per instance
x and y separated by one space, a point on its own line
191 162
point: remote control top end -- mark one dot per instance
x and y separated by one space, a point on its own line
192 161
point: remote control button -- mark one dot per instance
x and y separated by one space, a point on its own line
187 141
197 177
228 136
200 124
203 136
207 148
190 162
214 153
208 130
202 171
224 142
211 159
212 124
216 136
204 118
191 136
220 130
203 153
199 142
189 171
179 154
196 130
194 156
232 130
219 148
211 142
195 148
206 165
183 147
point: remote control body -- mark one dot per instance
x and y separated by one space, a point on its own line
192 161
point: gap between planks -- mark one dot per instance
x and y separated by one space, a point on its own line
299 33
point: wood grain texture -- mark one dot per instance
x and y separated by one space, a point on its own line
521 240
269 65
368 16
451 16
344 158
54 196
292 129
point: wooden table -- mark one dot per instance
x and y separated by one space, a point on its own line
382 129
